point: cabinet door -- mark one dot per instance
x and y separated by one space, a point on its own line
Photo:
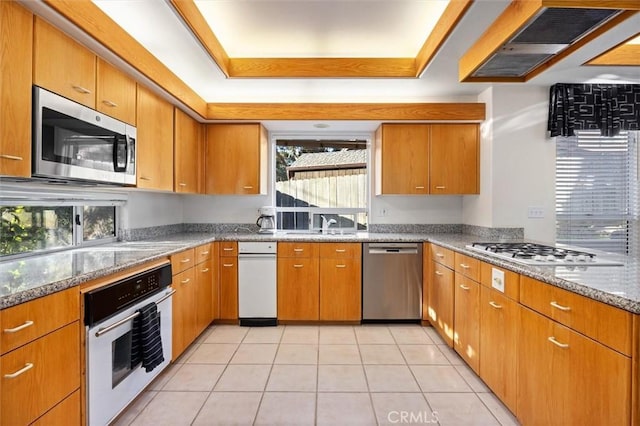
188 154
402 159
466 322
236 156
499 319
454 159
298 289
340 290
228 288
62 65
441 301
204 295
65 413
16 33
36 376
115 93
183 303
155 142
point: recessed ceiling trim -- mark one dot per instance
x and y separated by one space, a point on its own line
624 54
515 17
321 67
347 111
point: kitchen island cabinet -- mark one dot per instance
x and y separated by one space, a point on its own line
16 46
236 159
155 142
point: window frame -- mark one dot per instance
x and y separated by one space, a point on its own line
328 136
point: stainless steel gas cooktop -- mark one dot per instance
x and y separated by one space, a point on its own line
540 254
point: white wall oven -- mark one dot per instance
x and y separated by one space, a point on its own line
73 142
116 373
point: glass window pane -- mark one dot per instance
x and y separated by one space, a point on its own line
31 228
98 222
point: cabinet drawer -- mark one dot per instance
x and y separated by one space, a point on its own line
203 252
64 414
37 376
298 249
607 324
183 260
442 255
507 282
340 250
26 322
467 266
228 248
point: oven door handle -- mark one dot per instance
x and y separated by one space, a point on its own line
103 330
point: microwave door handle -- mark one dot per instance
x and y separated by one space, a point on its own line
117 139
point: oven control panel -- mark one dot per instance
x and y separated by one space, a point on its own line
110 299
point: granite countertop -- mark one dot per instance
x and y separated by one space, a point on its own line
32 277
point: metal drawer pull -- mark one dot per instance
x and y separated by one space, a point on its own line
145 178
27 366
108 328
81 89
341 251
185 281
464 287
11 157
495 305
227 248
298 250
440 255
227 265
182 184
204 253
298 266
341 266
440 187
205 270
419 187
463 266
185 260
27 323
555 342
247 187
562 308
439 273
110 103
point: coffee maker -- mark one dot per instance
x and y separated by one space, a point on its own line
267 220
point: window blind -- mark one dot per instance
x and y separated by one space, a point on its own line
597 191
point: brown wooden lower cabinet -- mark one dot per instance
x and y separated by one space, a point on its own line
298 289
340 290
38 375
228 287
565 378
466 336
66 413
183 303
441 296
204 295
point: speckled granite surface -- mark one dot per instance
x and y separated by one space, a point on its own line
30 278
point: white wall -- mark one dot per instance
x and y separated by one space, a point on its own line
517 163
223 209
146 209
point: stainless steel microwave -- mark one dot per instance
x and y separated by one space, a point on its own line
74 142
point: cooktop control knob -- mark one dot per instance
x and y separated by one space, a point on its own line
582 258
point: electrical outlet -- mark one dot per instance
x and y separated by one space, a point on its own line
382 212
535 212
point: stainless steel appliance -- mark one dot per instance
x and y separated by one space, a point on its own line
267 220
392 281
540 254
73 142
112 381
257 288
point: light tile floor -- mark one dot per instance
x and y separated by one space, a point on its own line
322 375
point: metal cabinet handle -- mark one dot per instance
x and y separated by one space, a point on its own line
227 248
205 270
247 187
81 89
440 255
145 178
438 273
298 266
204 253
26 324
187 260
110 103
28 366
185 281
11 157
440 187
555 342
298 250
464 287
341 251
464 266
495 305
419 187
562 308
182 184
227 265
341 266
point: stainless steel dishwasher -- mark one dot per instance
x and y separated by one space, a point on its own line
392 282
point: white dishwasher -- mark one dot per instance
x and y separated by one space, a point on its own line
257 286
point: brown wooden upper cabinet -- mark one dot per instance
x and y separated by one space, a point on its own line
236 159
16 26
427 159
67 68
155 142
188 148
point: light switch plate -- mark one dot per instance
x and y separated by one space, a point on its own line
497 279
534 212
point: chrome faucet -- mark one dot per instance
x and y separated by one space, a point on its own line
326 224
